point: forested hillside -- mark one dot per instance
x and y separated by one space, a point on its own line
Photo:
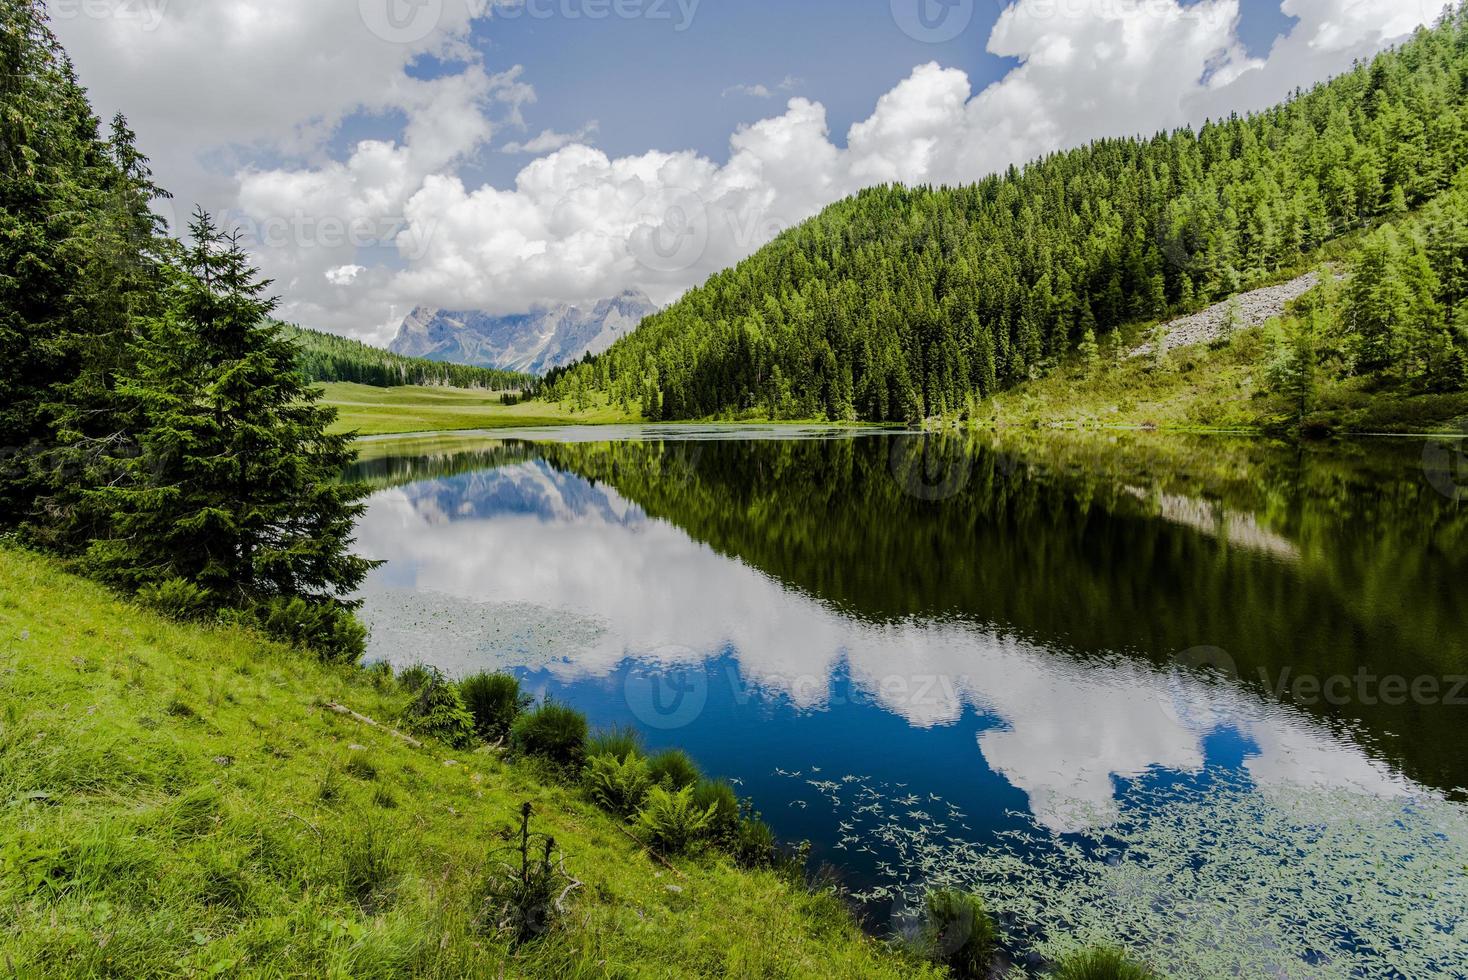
156 428
902 303
327 357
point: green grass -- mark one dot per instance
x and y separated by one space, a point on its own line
1211 389
177 800
386 411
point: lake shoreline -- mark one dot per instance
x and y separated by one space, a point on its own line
237 723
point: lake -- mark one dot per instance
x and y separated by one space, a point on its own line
1200 695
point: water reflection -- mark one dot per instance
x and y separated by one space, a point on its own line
1046 594
975 661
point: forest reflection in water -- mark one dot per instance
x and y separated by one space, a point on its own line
1040 624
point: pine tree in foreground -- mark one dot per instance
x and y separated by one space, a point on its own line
234 485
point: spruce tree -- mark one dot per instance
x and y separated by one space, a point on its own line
53 168
234 486
1090 354
118 283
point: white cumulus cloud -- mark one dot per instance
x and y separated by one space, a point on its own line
578 224
549 140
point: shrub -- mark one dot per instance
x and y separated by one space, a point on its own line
1101 963
754 846
670 822
552 731
415 677
618 742
673 769
618 785
381 673
328 628
720 796
494 700
523 896
958 932
176 597
438 711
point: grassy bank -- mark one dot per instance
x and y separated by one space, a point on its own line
1205 387
385 411
177 800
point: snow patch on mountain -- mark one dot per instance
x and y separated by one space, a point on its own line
534 342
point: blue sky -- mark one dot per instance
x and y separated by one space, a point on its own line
658 84
361 144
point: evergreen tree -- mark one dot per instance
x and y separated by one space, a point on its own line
1157 341
1233 319
1378 301
892 280
119 282
234 488
54 175
1293 368
1090 353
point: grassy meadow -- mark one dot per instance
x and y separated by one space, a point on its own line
179 801
373 411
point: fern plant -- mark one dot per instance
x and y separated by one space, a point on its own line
671 821
618 785
176 597
719 796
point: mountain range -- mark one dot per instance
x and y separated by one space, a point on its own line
533 342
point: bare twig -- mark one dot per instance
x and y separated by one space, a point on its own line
660 859
574 884
309 825
564 892
342 709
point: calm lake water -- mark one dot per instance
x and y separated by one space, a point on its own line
1204 697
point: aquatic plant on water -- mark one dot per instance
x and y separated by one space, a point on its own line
1215 878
